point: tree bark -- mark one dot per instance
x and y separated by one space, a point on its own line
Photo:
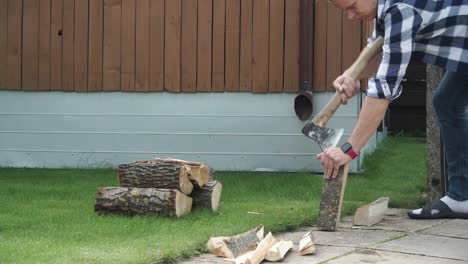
142 201
199 173
207 196
155 174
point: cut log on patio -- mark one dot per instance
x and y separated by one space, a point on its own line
199 173
142 201
372 213
306 244
207 196
278 251
233 247
261 251
155 174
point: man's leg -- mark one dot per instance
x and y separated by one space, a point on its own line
451 105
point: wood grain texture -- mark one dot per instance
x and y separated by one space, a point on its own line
246 46
112 45
204 45
334 40
56 45
44 45
219 36
172 45
129 40
189 46
142 60
14 44
291 46
207 197
276 56
30 57
68 45
157 46
95 53
81 40
320 46
3 44
260 46
232 45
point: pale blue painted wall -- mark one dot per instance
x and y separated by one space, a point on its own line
229 131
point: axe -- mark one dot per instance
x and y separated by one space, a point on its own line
315 128
333 190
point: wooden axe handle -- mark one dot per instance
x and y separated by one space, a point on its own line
356 70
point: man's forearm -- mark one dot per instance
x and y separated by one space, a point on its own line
372 113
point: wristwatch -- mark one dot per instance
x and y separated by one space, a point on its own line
348 149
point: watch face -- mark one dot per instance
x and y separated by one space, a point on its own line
346 147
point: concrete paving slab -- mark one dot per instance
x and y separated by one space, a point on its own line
397 220
455 228
429 245
385 257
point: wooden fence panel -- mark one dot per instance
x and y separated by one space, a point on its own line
142 64
56 46
205 25
30 63
320 46
3 43
31 35
276 61
291 46
189 46
334 40
351 44
157 46
219 18
44 45
129 52
246 46
68 45
232 45
112 45
95 56
14 44
260 46
81 46
172 45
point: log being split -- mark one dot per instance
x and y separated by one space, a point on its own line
232 247
142 201
199 173
207 196
155 174
331 200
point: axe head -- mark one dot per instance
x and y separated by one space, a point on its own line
324 136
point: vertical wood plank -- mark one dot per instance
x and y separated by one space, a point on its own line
95 53
334 40
56 38
351 44
232 45
204 39
142 46
44 44
157 46
320 46
112 45
172 45
291 46
68 48
15 14
30 63
246 46
260 46
128 44
276 62
3 43
189 46
219 36
80 59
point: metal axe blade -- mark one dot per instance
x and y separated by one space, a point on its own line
324 136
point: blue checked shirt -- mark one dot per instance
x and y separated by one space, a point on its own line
433 31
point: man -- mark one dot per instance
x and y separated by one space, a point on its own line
435 32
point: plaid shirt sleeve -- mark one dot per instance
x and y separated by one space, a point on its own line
401 25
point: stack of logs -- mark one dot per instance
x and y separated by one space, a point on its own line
164 187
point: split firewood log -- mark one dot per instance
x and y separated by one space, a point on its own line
262 249
242 259
199 173
278 251
142 201
372 213
232 247
207 196
155 174
306 244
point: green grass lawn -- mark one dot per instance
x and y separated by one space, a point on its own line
46 216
